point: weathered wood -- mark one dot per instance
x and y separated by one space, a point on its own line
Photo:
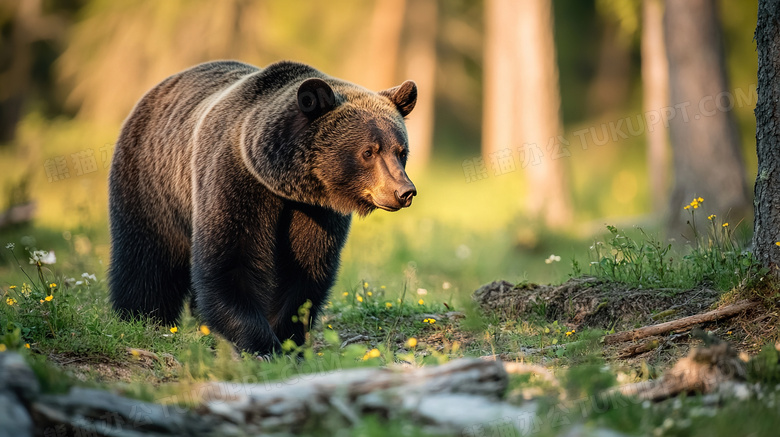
462 396
345 395
17 387
636 349
703 370
662 328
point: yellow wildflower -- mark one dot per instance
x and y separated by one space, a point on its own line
48 298
425 320
365 285
421 302
370 293
725 225
729 333
12 287
374 353
568 333
319 354
687 207
345 294
10 301
330 326
27 345
700 200
135 352
359 298
388 304
383 287
174 330
711 216
431 321
52 285
777 243
205 330
412 342
41 301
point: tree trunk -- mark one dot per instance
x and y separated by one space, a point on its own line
704 136
522 104
420 66
499 113
385 40
655 89
767 190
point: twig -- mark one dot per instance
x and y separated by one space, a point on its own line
354 339
662 328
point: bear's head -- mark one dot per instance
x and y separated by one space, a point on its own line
362 142
334 144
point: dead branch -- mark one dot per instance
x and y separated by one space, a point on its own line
662 328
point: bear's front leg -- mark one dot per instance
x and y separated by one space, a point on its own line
230 298
233 268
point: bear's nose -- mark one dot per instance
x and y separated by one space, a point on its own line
404 195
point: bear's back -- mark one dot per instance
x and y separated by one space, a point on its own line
152 156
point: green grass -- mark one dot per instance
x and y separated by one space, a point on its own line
714 256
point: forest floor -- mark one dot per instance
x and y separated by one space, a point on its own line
575 332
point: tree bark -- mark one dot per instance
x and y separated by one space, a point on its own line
704 136
522 103
420 66
655 90
767 190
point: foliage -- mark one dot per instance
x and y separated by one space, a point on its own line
715 257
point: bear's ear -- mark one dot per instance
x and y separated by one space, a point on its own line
315 97
404 96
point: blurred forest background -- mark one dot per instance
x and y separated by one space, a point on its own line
538 121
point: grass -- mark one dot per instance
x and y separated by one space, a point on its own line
715 255
403 322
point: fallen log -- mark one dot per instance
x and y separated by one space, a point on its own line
662 328
462 397
447 397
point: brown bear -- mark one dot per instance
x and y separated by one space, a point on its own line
235 185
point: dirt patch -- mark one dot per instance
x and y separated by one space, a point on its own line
592 303
104 370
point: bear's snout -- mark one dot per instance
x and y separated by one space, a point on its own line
404 195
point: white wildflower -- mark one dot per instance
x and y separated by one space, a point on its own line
10 246
446 285
86 276
43 256
552 259
422 291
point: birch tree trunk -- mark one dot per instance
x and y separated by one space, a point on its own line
704 136
522 103
655 90
767 189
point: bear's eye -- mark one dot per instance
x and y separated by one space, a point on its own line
368 154
402 155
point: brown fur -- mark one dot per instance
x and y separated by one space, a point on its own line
237 183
